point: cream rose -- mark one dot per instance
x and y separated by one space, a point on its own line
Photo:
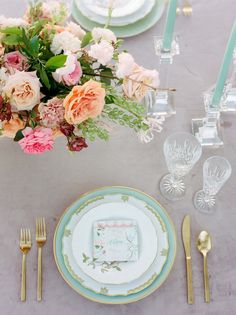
23 90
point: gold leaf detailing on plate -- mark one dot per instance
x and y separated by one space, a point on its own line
164 252
144 285
68 266
67 233
103 291
88 203
125 198
105 266
158 218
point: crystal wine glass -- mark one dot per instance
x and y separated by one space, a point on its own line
182 151
216 171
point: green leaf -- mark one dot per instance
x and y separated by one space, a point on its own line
12 40
107 73
55 62
44 78
11 31
34 46
86 39
19 135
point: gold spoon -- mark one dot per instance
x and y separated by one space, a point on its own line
204 246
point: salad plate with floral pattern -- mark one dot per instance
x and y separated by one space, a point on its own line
124 198
126 262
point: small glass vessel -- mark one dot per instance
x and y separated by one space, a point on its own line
216 171
182 151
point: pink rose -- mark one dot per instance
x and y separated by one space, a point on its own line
83 102
15 61
37 140
70 73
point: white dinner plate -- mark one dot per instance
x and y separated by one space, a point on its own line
114 272
132 205
120 7
123 20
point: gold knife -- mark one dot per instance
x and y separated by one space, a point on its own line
186 235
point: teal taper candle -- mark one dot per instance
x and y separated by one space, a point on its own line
169 27
228 56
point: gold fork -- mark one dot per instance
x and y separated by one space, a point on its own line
25 246
41 238
187 9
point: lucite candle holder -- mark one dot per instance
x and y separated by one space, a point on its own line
207 129
161 102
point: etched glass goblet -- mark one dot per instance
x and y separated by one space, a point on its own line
216 171
182 151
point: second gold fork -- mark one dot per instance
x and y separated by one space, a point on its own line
41 238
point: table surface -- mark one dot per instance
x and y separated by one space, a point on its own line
45 185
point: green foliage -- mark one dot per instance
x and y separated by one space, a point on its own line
91 130
55 62
86 39
19 135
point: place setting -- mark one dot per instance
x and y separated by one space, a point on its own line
73 80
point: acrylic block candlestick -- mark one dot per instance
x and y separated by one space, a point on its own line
161 102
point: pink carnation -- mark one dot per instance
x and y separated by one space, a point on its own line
52 112
37 140
15 61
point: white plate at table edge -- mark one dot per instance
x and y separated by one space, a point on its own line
117 22
135 285
126 31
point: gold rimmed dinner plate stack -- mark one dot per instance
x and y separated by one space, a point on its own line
115 282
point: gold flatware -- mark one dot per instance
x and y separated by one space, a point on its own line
25 246
41 237
186 235
178 11
204 246
187 9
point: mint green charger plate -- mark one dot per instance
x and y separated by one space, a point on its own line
124 31
97 297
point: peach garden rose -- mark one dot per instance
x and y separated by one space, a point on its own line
11 127
23 90
83 102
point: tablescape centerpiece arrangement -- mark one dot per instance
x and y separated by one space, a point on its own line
207 129
58 80
115 223
182 151
125 17
166 47
216 171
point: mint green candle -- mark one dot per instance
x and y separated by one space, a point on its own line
169 27
228 56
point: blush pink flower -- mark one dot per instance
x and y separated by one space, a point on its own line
125 65
37 141
102 52
15 61
52 112
70 73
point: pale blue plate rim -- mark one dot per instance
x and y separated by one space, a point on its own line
57 246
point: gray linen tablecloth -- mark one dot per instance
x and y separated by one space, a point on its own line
45 185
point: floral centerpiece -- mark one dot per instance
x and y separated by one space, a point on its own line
58 80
